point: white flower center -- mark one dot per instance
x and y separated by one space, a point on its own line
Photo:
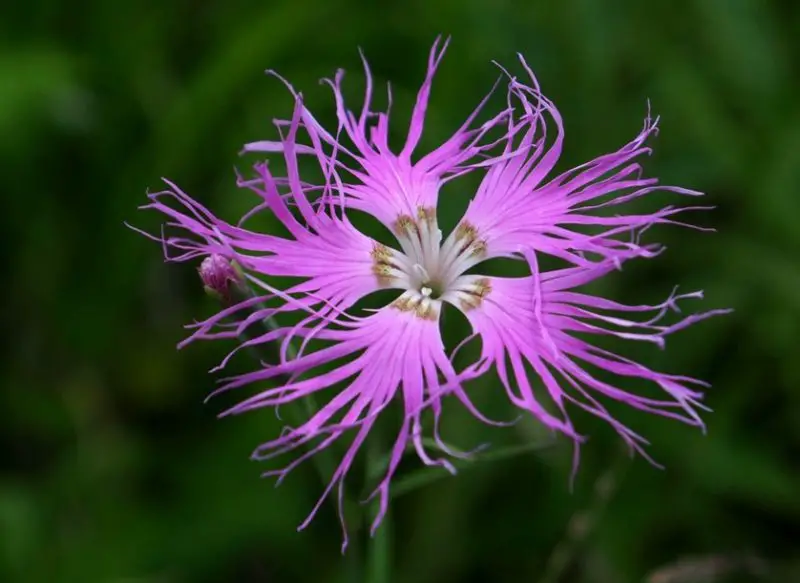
428 270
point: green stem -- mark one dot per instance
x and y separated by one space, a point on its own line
377 547
379 558
583 522
353 559
379 553
323 461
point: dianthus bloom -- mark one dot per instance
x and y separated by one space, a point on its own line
357 362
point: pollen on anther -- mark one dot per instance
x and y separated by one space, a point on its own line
381 265
404 224
478 248
421 307
473 298
483 286
426 311
404 304
427 214
466 232
383 273
380 253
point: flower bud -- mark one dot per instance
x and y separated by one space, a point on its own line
218 274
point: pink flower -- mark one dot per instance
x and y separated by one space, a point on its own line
357 362
519 206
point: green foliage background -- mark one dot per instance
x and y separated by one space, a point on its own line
112 468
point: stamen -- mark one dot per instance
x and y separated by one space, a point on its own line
430 269
422 307
471 295
382 265
381 252
427 214
404 225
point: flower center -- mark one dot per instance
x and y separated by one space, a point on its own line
427 269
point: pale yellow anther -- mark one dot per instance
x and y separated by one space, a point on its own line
427 214
381 264
473 298
404 225
466 232
426 311
421 307
478 248
380 253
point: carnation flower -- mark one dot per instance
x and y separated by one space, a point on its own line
359 362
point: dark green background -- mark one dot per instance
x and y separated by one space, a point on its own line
113 469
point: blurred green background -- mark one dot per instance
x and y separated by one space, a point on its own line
113 470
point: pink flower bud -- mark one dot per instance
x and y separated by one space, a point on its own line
218 273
